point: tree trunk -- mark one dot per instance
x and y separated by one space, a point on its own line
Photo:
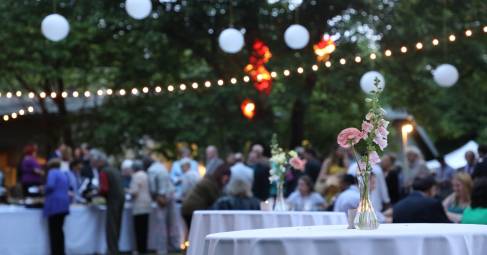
300 106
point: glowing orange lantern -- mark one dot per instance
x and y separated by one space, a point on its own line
324 48
248 108
256 68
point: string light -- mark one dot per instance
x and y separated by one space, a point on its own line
233 80
75 94
9 94
145 90
286 72
158 89
220 82
194 85
435 42
170 88
468 33
485 29
99 92
21 112
314 68
31 95
273 74
328 64
388 53
87 94
182 87
64 94
246 78
134 91
452 38
53 95
109 92
207 84
300 70
30 109
358 59
343 61
404 49
122 92
419 45
5 117
373 56
14 115
18 93
42 94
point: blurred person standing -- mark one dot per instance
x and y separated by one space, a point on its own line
164 235
477 212
304 198
56 205
391 173
31 172
333 166
456 202
111 187
66 156
127 172
212 159
481 167
241 171
443 176
205 193
75 179
313 165
176 170
238 194
349 197
471 162
417 166
261 185
141 204
188 180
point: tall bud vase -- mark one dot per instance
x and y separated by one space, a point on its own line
365 219
280 203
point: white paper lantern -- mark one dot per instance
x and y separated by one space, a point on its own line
296 37
138 9
367 81
231 40
445 75
55 27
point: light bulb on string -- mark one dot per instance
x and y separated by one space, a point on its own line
53 95
145 90
31 95
220 82
404 49
452 38
314 68
358 59
87 93
273 74
435 42
21 112
300 70
328 64
388 53
99 92
246 78
42 94
468 33
286 72
194 85
8 95
233 80
158 89
419 45
75 93
373 56
109 92
343 61
30 109
170 88
207 84
64 94
122 92
18 93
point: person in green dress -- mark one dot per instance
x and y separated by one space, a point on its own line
477 212
456 202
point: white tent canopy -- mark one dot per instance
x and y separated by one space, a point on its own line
456 158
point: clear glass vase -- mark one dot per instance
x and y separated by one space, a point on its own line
280 203
365 219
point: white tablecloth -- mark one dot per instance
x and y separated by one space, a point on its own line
208 222
389 239
24 231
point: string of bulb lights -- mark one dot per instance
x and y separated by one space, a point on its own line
388 52
182 87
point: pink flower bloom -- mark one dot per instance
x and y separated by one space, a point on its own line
367 127
297 163
382 131
374 158
349 136
381 142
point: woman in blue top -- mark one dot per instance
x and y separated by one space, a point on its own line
56 205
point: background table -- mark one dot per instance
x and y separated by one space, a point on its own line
208 222
24 231
397 239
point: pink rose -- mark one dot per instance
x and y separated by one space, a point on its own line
374 158
297 163
349 136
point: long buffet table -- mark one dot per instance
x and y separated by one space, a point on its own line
23 231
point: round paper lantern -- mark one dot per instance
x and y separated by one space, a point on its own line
296 37
138 9
231 40
55 27
445 75
367 82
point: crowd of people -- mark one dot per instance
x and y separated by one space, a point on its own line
400 193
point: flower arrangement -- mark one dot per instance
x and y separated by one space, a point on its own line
282 161
373 134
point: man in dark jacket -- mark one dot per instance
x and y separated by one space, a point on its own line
261 186
420 206
111 187
481 167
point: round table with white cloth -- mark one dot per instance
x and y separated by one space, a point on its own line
208 222
389 239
